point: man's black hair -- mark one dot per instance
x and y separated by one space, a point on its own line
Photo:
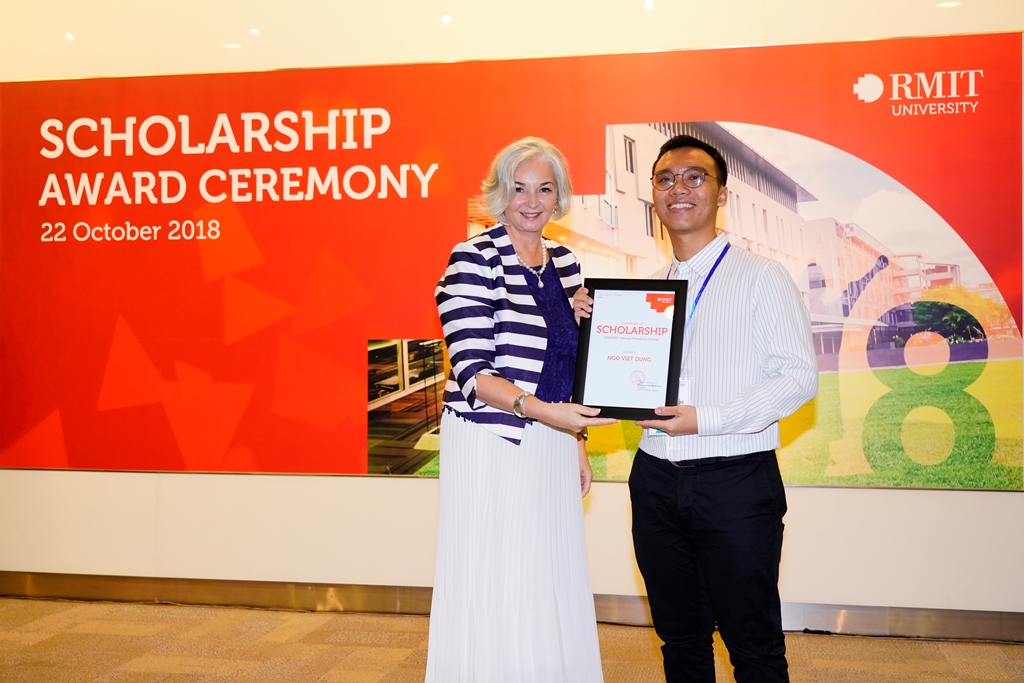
690 141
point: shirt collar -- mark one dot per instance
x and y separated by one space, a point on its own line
702 261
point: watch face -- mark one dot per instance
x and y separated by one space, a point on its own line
517 405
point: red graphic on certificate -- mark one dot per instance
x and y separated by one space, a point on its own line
660 301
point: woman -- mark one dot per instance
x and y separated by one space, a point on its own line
512 598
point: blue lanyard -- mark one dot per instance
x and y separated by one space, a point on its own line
696 299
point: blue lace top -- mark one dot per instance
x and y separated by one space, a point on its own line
556 378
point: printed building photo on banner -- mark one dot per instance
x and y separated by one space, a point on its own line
405 383
919 357
918 354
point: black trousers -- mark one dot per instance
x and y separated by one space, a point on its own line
708 540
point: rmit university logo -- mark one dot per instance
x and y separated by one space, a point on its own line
924 94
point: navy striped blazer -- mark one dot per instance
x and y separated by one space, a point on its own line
492 324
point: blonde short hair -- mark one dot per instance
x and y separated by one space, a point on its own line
499 187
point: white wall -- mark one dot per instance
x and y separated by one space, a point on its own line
937 549
934 549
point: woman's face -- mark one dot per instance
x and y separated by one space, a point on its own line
535 198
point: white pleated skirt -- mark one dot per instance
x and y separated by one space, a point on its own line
512 600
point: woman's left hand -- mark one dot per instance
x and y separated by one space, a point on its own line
569 416
586 474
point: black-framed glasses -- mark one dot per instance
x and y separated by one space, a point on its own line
692 178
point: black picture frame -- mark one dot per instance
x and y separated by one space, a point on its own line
585 365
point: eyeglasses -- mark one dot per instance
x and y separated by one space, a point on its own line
692 178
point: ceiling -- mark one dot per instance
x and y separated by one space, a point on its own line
49 39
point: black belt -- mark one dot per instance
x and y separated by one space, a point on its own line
713 462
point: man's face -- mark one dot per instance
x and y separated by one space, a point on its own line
685 210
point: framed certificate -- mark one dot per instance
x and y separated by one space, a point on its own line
630 348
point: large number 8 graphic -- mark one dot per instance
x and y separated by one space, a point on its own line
974 441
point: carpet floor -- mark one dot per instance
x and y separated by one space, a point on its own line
49 641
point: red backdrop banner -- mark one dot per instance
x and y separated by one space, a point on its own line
191 266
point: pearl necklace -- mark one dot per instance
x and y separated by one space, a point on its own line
543 264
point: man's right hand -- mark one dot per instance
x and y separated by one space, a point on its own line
581 304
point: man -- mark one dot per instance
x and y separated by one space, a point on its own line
706 492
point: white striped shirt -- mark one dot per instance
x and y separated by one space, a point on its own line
747 354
